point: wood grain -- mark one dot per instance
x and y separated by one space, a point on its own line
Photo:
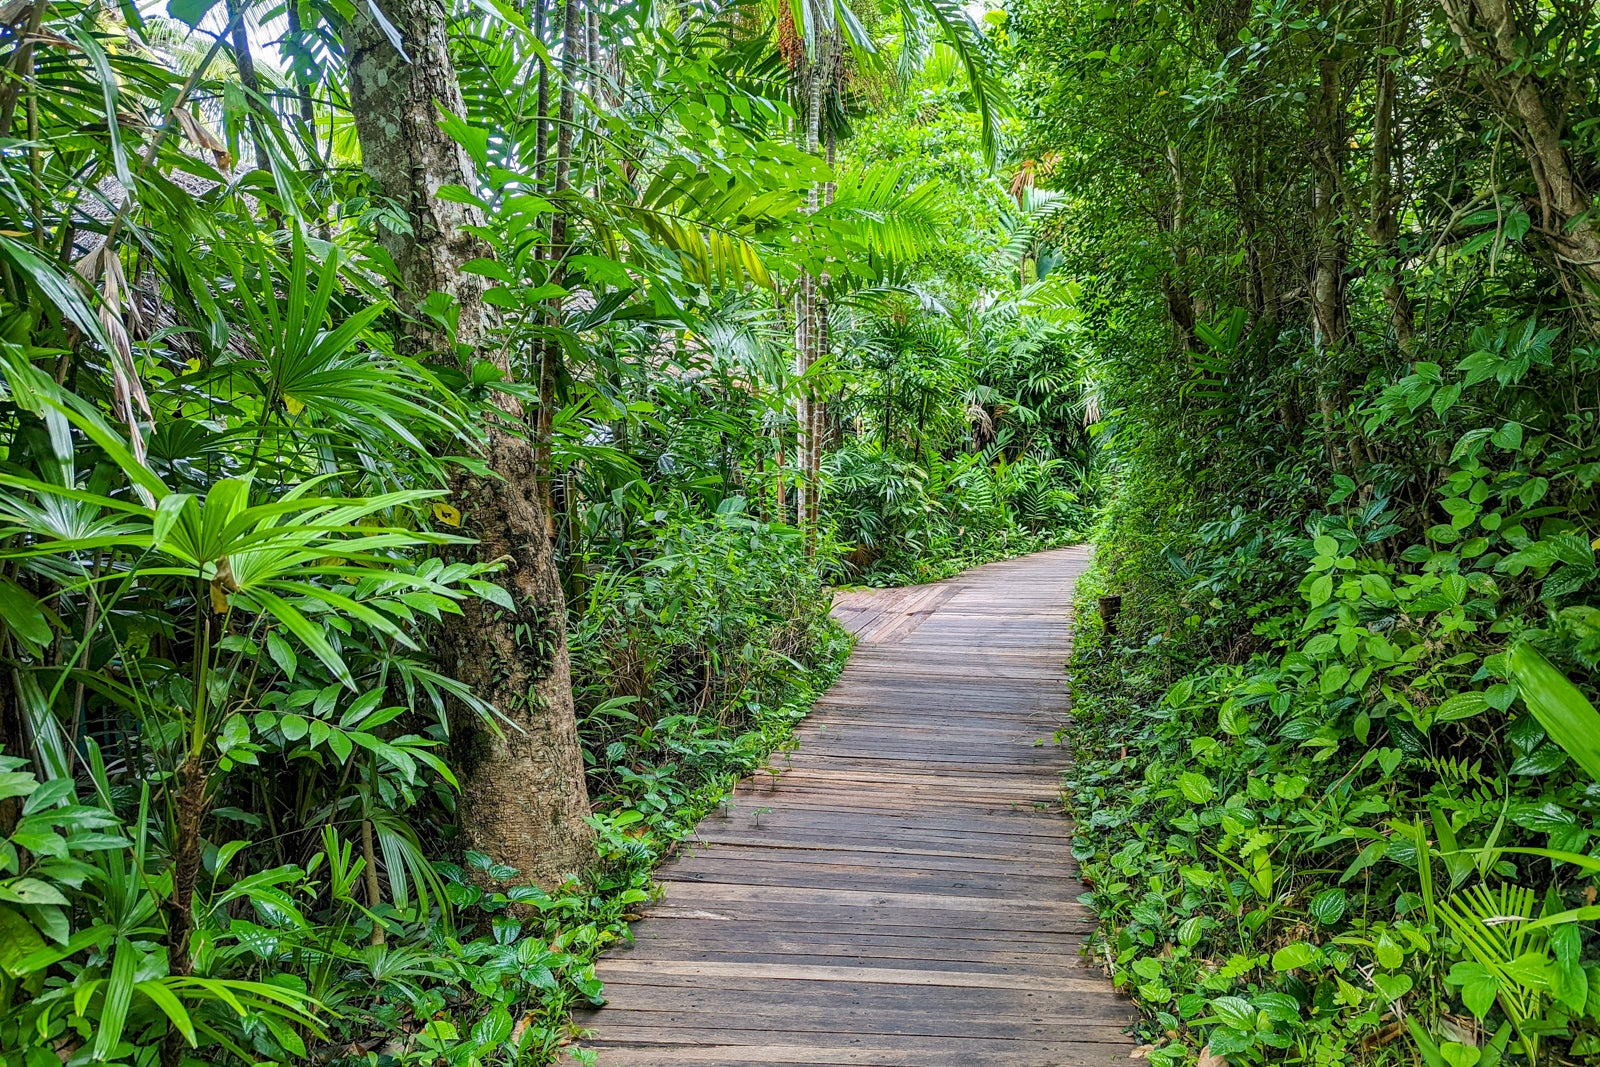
899 891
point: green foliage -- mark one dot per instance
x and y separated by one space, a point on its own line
227 544
696 665
1333 789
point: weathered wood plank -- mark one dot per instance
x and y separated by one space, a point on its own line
899 891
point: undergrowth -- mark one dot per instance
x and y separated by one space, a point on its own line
1334 803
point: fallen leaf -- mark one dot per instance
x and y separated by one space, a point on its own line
1210 1059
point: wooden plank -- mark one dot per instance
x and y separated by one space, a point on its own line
858 976
874 1021
641 1047
899 891
826 1055
840 950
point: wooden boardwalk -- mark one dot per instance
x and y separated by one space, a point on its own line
901 893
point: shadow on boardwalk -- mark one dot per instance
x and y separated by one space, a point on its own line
903 892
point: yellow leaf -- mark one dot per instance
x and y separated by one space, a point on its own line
294 406
193 365
1595 543
447 514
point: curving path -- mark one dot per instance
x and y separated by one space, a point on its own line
900 891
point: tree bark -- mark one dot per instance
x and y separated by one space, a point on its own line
591 41
815 71
244 61
1330 310
302 86
1174 221
1330 317
560 223
523 799
189 808
369 856
541 119
821 339
1490 34
1385 194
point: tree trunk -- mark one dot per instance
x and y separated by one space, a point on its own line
369 856
815 71
244 61
1173 220
1330 317
302 86
189 808
523 800
1330 310
591 41
560 223
541 118
1385 194
821 339
1490 34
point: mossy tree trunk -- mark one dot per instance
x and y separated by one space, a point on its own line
523 799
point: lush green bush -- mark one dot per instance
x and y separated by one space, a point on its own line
692 667
912 521
325 918
1324 783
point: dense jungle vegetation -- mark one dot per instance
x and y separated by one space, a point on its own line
431 432
1338 769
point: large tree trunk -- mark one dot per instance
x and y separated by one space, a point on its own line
1330 317
523 799
1330 309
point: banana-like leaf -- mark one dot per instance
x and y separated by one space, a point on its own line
1564 712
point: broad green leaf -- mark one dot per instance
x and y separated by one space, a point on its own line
1478 986
1293 956
1508 436
1564 712
190 12
30 891
1328 906
18 939
22 613
1460 706
1197 787
118 996
1392 986
1235 1012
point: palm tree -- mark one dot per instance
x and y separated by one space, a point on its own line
814 36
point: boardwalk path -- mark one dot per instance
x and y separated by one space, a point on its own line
903 893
